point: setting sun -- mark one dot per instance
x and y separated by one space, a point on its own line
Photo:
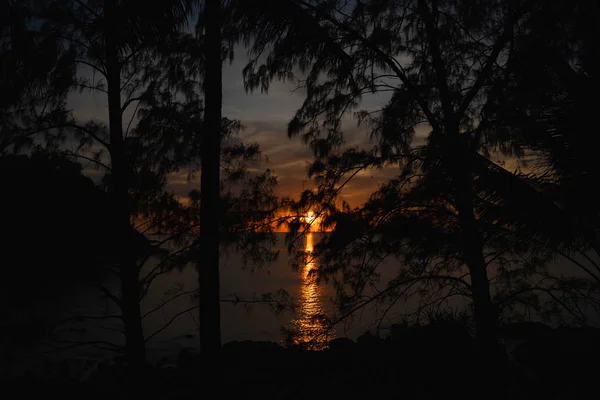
313 221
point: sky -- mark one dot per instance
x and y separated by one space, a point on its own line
265 118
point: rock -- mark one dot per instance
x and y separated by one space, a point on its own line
250 346
524 330
341 344
367 339
398 331
187 359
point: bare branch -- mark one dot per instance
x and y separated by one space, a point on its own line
164 303
165 326
99 163
129 101
110 295
93 66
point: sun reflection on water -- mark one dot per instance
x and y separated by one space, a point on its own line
310 324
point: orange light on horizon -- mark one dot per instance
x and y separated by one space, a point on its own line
311 218
313 221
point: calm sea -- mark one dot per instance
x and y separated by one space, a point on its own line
171 327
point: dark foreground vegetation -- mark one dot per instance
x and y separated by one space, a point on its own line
430 362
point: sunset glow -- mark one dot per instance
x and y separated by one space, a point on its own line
309 324
313 221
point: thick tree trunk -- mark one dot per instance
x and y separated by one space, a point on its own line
490 366
208 261
472 246
485 312
130 288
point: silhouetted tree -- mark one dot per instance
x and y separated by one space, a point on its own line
151 73
116 40
441 62
546 111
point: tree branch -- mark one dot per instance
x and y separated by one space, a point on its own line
487 69
90 133
387 59
165 326
93 66
99 163
441 75
164 303
108 294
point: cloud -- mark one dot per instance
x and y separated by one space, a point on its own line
265 117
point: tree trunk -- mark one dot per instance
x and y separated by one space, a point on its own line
130 288
490 365
485 312
208 261
472 246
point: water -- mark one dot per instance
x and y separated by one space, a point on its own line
254 321
174 326
242 321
